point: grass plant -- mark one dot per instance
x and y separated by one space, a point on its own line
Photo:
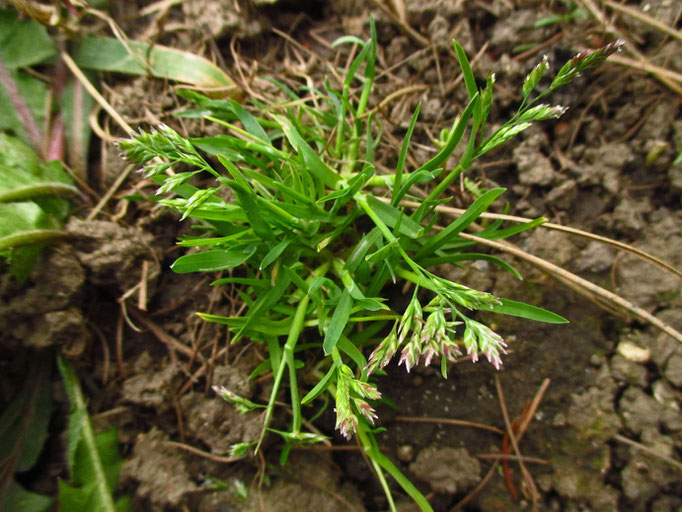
294 216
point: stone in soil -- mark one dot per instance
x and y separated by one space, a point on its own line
447 470
219 424
639 410
113 253
159 470
628 371
153 389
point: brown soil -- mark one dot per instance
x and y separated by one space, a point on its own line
147 361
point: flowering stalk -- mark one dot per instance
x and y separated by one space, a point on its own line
481 339
350 390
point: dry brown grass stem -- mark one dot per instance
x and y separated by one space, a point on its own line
580 285
639 15
402 24
528 481
648 67
202 453
646 449
80 76
640 62
449 421
566 229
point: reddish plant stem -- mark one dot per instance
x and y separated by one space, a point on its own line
22 109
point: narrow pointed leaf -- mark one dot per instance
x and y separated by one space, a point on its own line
338 321
470 215
322 384
210 261
519 309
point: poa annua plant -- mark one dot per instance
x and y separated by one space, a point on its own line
315 235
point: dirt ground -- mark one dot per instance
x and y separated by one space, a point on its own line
607 430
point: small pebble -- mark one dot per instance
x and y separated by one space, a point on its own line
596 360
559 420
633 352
406 453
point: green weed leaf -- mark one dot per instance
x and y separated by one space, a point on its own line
93 460
110 54
23 43
23 431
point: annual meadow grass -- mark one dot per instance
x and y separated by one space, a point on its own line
315 236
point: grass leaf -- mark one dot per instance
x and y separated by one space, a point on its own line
322 384
469 79
212 261
470 215
522 310
400 166
338 321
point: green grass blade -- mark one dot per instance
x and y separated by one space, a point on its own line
469 79
412 179
212 261
521 310
453 139
357 256
249 202
313 162
400 166
322 384
373 452
265 303
274 253
470 215
390 215
250 123
471 256
348 347
338 321
496 234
